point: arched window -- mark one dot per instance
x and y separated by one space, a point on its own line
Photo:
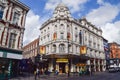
54 48
61 48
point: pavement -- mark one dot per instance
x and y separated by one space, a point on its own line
47 77
94 76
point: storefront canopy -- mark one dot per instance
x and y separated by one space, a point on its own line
10 53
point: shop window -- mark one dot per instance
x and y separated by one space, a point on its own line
12 40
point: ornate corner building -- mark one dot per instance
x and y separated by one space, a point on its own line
12 26
71 44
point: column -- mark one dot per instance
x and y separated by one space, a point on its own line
57 47
9 12
4 37
23 19
94 65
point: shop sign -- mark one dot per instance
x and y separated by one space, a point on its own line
10 55
62 60
4 54
1 54
80 64
14 56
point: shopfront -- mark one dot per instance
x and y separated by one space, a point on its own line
9 61
62 65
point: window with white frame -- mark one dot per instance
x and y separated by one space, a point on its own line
68 28
70 48
12 40
76 36
1 11
61 48
61 35
62 26
47 51
54 48
16 18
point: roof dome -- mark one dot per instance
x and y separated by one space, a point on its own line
61 11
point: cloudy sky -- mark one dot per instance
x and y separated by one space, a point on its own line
102 13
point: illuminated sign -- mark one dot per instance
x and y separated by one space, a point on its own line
62 60
80 64
42 49
83 50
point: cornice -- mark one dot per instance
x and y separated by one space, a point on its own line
17 2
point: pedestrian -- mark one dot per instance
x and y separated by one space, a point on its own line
80 72
56 72
35 74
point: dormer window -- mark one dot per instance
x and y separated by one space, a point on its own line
16 18
1 11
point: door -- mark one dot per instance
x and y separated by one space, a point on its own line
62 67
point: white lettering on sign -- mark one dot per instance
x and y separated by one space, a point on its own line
14 56
1 54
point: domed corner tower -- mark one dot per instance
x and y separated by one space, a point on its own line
58 41
62 12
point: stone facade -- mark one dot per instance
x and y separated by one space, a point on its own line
62 36
12 26
12 23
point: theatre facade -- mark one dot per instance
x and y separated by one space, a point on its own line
71 44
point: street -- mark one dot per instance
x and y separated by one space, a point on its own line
95 76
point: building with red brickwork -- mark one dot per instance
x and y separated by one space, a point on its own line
114 50
31 50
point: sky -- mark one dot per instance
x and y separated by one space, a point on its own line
104 14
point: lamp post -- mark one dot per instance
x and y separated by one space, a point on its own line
68 36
